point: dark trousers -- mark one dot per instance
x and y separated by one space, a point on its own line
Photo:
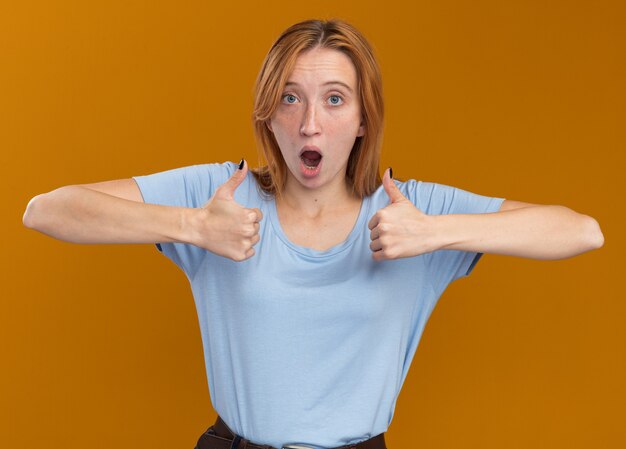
219 436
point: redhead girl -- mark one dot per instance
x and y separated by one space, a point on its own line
313 278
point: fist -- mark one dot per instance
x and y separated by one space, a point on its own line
223 226
399 229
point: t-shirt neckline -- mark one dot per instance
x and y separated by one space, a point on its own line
310 252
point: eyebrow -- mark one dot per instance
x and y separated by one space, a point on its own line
292 83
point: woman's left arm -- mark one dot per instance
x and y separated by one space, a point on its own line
521 229
517 229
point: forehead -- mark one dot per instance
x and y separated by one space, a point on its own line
323 64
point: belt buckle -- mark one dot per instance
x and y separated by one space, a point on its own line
296 446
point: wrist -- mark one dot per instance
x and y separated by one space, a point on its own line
188 219
443 231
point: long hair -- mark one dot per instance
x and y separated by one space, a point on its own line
362 171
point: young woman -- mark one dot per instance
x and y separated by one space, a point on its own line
312 280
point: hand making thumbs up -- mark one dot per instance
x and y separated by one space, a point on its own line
224 227
400 229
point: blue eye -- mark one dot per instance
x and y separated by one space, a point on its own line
335 97
290 96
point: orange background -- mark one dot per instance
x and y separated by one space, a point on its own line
520 99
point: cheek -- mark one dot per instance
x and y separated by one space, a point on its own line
284 126
344 129
348 121
286 135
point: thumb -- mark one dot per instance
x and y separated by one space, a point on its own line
227 190
391 188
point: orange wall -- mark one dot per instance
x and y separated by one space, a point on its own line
520 99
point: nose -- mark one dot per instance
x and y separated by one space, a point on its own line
310 124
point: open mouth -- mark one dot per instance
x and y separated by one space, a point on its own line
311 159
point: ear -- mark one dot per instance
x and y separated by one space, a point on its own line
269 125
361 130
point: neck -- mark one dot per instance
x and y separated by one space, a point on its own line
311 202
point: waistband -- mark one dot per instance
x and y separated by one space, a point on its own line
219 436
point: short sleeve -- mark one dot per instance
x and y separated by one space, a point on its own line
445 266
189 186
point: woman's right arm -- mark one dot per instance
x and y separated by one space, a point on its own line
105 212
114 212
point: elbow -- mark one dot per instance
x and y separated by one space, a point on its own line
28 219
593 233
36 213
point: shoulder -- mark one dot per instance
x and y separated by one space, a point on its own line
210 175
190 185
411 188
205 172
437 198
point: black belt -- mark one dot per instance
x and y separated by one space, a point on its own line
219 436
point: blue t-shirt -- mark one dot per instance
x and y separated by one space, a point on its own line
306 346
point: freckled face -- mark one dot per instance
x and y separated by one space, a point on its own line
318 118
